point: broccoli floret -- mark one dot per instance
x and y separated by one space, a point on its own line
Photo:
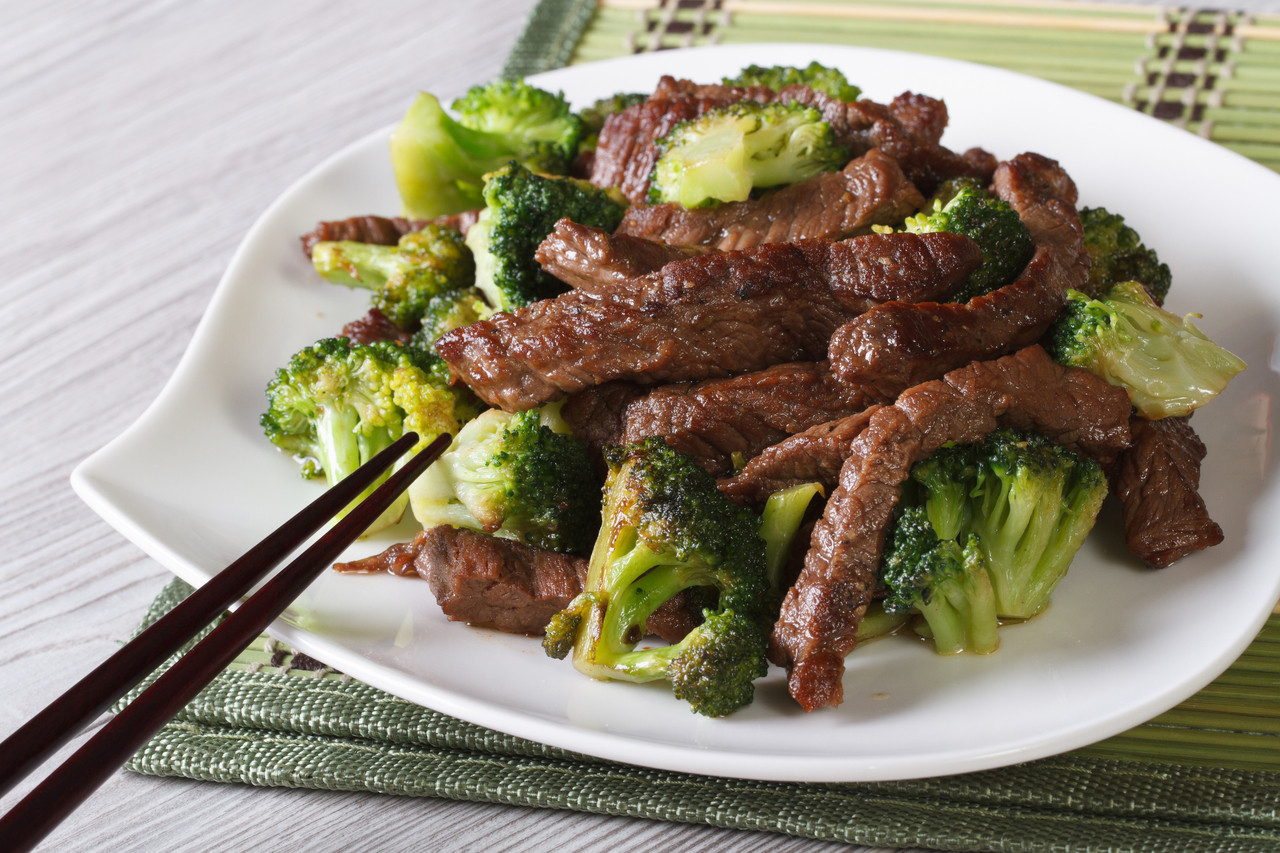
1119 255
440 162
666 528
514 476
947 584
724 153
963 206
815 76
1167 365
403 278
521 209
337 404
1018 501
447 311
593 117
783 513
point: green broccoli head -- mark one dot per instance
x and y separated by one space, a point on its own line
1034 502
1119 255
667 528
337 404
1168 367
945 583
815 76
403 278
513 476
447 311
440 162
522 208
723 154
963 206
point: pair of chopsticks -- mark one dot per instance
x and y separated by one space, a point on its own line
73 781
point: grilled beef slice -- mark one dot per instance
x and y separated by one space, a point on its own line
503 584
871 190
713 315
715 419
382 230
594 261
821 612
897 345
1157 481
375 326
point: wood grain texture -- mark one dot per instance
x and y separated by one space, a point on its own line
140 141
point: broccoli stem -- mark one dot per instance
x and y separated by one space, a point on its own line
357 265
783 514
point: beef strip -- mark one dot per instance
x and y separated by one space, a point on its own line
375 326
713 315
715 419
382 230
898 345
820 615
503 584
1157 481
594 261
871 190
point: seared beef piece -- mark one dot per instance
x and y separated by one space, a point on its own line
1157 481
672 87
821 612
503 584
869 191
712 315
903 131
895 346
923 117
597 415
812 456
375 326
594 261
383 230
714 419
816 454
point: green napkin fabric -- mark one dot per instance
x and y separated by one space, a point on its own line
281 719
1204 776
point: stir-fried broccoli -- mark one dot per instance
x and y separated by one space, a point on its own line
815 76
666 529
724 153
783 514
1119 255
1167 365
1014 508
947 584
403 278
963 206
337 404
521 209
440 162
447 311
514 476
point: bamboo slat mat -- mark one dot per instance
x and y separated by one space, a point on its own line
1215 73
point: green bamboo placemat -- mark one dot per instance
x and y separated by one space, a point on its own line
279 719
1215 73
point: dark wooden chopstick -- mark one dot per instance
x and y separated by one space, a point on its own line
87 768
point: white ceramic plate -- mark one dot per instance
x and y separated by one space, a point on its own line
194 483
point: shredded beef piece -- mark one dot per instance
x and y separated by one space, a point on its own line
897 345
713 315
594 261
820 615
1157 481
382 230
375 326
871 190
714 419
503 584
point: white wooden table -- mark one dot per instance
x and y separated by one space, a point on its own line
138 142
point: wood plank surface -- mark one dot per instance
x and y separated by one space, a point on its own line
140 141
